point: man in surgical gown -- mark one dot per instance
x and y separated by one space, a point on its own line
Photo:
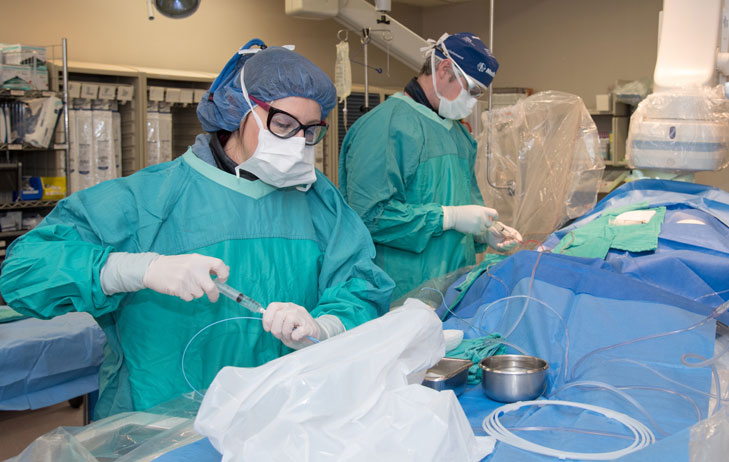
407 168
243 204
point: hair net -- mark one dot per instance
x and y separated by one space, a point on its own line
270 74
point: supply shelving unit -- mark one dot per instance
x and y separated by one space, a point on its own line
131 112
134 112
185 124
616 123
21 159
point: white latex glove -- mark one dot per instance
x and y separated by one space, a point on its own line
290 323
500 237
186 276
468 219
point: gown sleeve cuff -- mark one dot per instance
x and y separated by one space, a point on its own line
329 326
124 272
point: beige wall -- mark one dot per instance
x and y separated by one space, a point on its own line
577 46
118 32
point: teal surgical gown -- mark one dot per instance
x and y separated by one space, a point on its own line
398 165
283 245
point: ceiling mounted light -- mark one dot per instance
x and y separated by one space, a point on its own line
175 9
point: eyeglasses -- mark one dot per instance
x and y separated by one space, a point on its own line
474 89
283 125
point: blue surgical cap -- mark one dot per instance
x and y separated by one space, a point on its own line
270 74
471 55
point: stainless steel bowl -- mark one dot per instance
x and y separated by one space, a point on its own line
511 378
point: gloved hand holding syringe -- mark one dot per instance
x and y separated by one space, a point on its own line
247 302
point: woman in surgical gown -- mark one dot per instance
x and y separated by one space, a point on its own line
243 204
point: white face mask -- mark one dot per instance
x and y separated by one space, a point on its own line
458 108
277 161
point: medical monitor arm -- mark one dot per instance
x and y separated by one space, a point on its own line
357 15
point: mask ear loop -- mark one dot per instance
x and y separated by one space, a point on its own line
248 100
250 105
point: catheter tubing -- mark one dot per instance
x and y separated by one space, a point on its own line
622 394
493 427
184 352
714 314
561 319
709 395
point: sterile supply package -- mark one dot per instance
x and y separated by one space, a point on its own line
11 221
105 162
345 399
683 130
546 146
18 54
41 117
85 138
153 135
23 77
165 134
116 137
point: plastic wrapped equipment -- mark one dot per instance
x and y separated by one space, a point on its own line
125 437
683 130
632 92
344 399
546 146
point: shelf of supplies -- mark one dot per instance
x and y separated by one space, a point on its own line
26 205
25 147
19 232
7 92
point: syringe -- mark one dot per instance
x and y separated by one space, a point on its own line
247 302
240 298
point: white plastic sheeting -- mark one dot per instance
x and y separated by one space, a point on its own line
546 147
345 399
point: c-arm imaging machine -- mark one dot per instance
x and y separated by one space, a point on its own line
684 125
